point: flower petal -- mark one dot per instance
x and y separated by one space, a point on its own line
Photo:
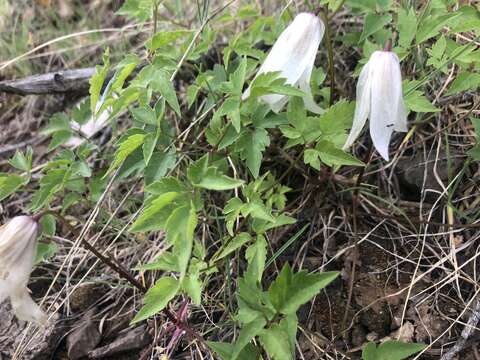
401 122
304 84
25 308
386 98
90 128
295 48
362 106
275 101
292 54
17 253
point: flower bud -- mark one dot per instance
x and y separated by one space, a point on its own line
17 255
293 55
380 98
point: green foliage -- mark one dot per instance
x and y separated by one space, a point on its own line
164 38
204 154
96 82
464 81
158 297
208 177
44 252
390 350
126 147
23 161
271 316
415 100
289 291
9 184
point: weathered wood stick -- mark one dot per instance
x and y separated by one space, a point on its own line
58 82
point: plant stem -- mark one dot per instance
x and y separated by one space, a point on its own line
355 231
111 263
124 273
328 42
155 16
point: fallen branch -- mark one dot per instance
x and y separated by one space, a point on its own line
468 330
59 82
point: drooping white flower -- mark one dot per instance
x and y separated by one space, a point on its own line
293 55
17 255
90 128
379 98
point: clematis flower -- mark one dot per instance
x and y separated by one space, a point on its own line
379 98
89 129
17 254
293 55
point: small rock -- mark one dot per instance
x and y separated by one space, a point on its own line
127 341
358 335
85 295
41 342
405 333
84 338
416 173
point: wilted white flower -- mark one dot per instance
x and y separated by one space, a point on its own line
90 128
17 255
379 97
293 55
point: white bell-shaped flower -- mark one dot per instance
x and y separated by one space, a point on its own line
17 255
293 55
379 98
90 128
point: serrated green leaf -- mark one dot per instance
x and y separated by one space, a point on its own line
180 228
149 143
208 177
258 210
277 339
58 122
289 291
224 350
374 23
237 78
51 183
236 243
165 262
164 38
44 252
125 68
165 185
48 224
417 102
214 180
97 80
312 157
464 81
164 86
256 255
144 114
9 184
407 26
247 333
253 144
391 350
137 9
127 147
430 26
22 161
468 20
157 298
159 165
192 285
331 155
150 218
